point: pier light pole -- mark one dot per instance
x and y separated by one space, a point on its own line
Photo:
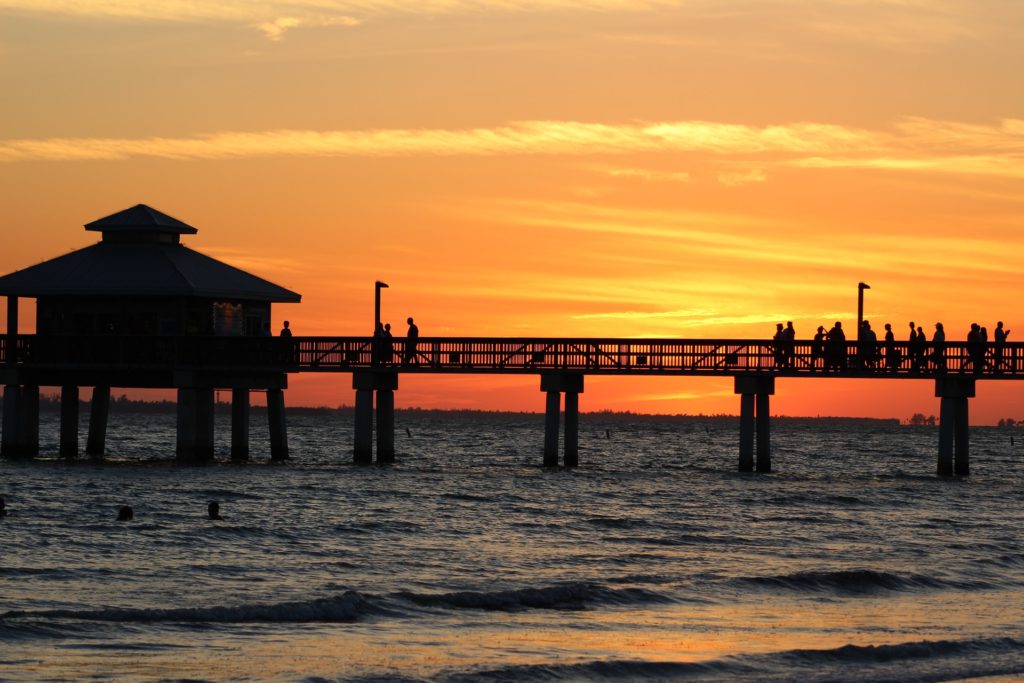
860 306
377 286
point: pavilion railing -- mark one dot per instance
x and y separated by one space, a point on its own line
519 355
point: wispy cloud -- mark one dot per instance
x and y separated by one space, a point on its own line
275 30
530 137
911 145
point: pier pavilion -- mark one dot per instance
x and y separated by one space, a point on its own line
130 311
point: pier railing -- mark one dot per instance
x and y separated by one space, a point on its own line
724 357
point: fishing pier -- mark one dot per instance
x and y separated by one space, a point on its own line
140 310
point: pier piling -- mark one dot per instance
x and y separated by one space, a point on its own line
69 421
99 412
554 385
384 383
362 452
11 422
278 425
954 430
204 397
755 421
239 424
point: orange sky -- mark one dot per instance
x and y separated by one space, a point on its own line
682 168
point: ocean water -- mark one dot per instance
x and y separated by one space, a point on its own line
466 561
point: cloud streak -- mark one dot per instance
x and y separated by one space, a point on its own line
912 145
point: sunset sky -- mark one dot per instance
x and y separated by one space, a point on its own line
663 168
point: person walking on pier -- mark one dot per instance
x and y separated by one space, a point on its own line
835 348
1000 345
939 348
975 349
892 354
867 346
818 347
779 345
411 339
789 347
388 349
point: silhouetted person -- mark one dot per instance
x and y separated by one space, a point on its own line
920 347
789 348
286 331
939 348
377 352
213 510
412 338
892 354
389 345
975 349
779 345
835 348
125 513
818 346
265 332
867 346
998 348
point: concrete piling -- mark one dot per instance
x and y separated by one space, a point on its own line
69 421
554 385
362 452
755 421
278 425
954 431
96 444
240 424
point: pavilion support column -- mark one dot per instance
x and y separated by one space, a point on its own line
385 426
69 421
555 384
204 424
28 417
187 423
239 424
755 421
362 451
99 411
954 436
278 425
572 429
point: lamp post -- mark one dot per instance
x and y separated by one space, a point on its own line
377 286
860 306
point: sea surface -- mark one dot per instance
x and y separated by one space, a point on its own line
467 561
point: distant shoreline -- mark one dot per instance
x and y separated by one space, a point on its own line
51 404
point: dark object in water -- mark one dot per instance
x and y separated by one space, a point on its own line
408 433
607 433
125 513
213 509
3 507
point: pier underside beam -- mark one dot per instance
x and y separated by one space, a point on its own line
954 432
755 421
96 444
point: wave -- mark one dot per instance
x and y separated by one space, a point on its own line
563 596
345 607
858 581
922 661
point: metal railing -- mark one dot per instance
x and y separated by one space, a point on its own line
521 356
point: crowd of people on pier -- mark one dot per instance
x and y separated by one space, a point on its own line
830 351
